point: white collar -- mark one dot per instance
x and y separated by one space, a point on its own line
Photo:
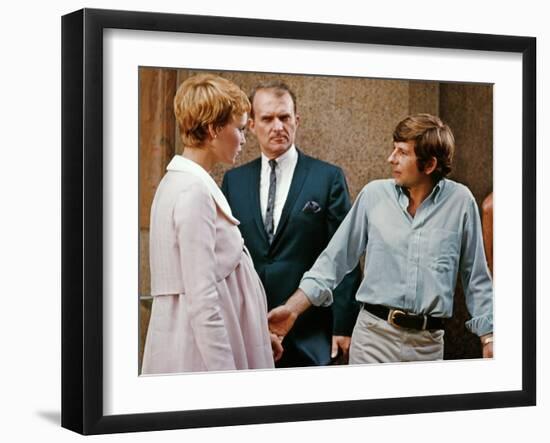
289 156
182 164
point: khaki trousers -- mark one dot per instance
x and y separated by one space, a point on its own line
376 341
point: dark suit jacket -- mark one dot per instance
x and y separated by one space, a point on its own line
301 236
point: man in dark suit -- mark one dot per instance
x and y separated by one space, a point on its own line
289 206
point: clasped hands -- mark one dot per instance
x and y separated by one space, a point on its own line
280 321
282 318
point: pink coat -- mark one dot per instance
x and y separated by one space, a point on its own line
209 309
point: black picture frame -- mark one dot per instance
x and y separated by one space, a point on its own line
82 220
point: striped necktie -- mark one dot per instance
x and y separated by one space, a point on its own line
268 224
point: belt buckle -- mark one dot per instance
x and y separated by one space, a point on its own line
392 314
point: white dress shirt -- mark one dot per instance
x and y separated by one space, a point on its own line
284 171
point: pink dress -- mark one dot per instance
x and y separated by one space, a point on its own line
209 308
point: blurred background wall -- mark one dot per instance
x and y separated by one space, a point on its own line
346 121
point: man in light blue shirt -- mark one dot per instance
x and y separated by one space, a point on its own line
418 230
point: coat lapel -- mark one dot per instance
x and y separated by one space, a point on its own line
300 173
254 189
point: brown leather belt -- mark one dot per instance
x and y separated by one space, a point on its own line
403 319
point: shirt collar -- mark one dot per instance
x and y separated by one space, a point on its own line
438 190
283 160
435 195
182 164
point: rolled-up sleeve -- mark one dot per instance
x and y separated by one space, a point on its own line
476 280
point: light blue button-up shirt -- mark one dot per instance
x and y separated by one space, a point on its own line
411 263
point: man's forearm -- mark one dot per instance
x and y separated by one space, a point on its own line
298 302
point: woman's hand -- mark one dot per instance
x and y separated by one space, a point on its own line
276 347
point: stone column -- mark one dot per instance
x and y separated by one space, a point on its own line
157 134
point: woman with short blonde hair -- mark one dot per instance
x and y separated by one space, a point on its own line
209 308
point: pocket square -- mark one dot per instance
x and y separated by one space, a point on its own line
311 207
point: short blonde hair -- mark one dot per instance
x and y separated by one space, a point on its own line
204 100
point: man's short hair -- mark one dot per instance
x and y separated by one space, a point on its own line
204 100
432 138
279 88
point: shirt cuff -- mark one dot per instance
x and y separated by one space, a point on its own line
480 325
317 295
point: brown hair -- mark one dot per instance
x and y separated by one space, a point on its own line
205 100
279 88
432 138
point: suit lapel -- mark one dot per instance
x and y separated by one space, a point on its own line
254 189
300 173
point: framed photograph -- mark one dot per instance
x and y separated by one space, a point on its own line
353 84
